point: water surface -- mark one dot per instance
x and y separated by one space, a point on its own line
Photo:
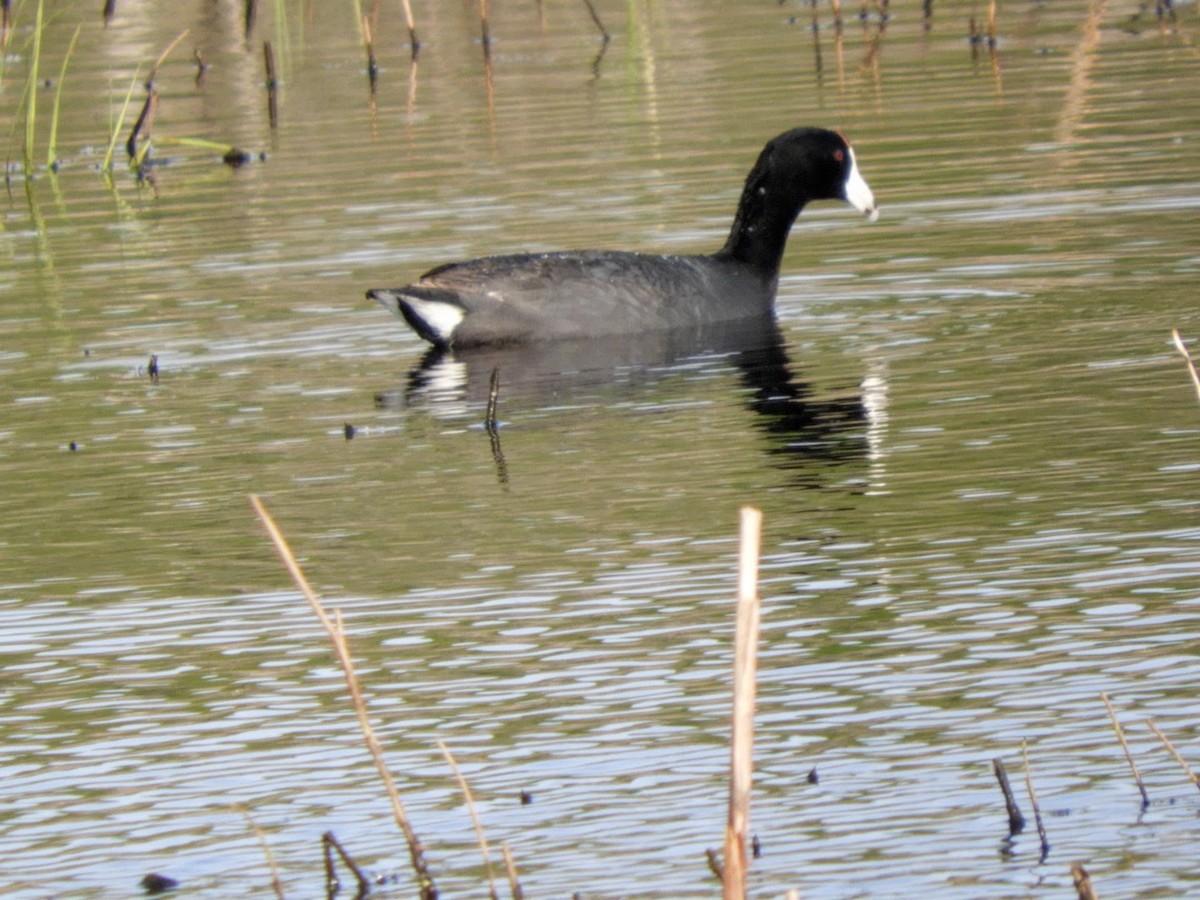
975 448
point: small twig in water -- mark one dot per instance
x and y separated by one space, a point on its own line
470 801
1037 812
333 627
272 84
514 883
413 41
1083 882
328 842
1175 753
1191 363
276 884
1016 821
372 67
1137 776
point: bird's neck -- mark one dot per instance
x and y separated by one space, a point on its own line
760 230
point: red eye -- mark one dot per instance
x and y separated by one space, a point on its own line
839 154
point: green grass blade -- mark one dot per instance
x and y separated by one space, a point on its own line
52 152
35 54
116 131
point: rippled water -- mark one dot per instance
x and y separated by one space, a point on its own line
974 445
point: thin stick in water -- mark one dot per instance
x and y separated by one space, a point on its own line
276 884
141 127
333 627
483 845
413 41
1083 882
1016 821
251 15
745 668
596 18
272 84
1175 753
1037 812
328 843
1191 363
1137 776
485 32
372 67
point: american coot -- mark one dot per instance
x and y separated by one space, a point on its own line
587 293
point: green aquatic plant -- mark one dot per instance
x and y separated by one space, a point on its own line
52 151
35 53
115 130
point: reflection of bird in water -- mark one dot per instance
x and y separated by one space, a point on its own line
802 426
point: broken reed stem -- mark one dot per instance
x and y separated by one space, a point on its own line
493 396
276 884
483 845
1137 776
333 627
485 32
412 31
368 41
163 56
272 85
1083 882
328 840
251 14
745 666
1016 821
1191 363
141 127
510 867
1037 812
1175 753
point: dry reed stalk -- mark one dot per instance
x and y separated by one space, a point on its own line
162 57
330 843
1037 812
412 31
1083 883
510 867
1137 776
1175 753
276 884
333 627
483 845
745 668
1191 363
1016 821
